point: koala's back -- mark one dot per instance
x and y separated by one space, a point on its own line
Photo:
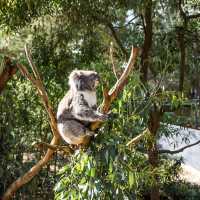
65 104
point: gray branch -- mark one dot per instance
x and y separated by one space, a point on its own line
178 150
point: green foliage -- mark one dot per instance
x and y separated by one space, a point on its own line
183 191
108 170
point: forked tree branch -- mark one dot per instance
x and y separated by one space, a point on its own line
110 96
37 82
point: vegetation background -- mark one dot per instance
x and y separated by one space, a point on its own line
163 89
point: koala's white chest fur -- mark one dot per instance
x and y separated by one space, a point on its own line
90 97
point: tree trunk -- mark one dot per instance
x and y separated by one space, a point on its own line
154 119
153 125
181 40
147 25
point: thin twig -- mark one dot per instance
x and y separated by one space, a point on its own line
29 58
120 83
128 23
138 138
42 92
178 150
112 60
116 37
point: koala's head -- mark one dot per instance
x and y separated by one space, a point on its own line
82 80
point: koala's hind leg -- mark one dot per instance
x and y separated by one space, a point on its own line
74 132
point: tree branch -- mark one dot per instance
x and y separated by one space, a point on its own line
42 145
30 174
137 139
36 81
113 31
194 16
116 73
43 94
127 23
110 96
119 85
178 150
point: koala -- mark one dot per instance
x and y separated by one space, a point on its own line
78 108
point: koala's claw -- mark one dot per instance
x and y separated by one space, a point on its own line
109 116
104 117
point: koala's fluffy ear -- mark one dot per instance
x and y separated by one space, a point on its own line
73 79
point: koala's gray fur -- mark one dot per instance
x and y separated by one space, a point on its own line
78 107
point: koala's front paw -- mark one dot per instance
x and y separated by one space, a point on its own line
104 117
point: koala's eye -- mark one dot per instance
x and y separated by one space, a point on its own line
82 77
